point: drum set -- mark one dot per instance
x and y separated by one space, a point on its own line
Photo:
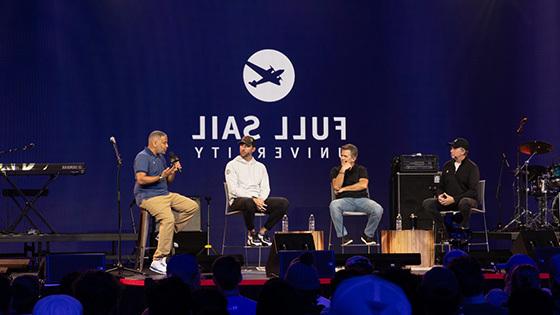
541 183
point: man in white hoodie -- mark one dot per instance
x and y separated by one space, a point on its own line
249 189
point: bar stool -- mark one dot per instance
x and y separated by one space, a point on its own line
228 214
481 189
352 214
141 243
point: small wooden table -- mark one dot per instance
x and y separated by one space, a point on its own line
410 241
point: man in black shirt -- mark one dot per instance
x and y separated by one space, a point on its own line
457 189
350 182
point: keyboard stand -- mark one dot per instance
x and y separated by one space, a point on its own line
29 203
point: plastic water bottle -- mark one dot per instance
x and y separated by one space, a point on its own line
398 222
312 222
285 223
413 221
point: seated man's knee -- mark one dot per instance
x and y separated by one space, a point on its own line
467 203
285 204
377 209
247 204
167 220
334 205
427 203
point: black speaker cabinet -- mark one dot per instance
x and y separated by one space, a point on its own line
535 243
287 241
190 242
194 222
323 260
408 191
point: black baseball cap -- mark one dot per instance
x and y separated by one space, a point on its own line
248 140
460 143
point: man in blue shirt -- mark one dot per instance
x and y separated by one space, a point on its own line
171 210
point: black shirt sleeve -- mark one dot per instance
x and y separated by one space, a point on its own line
442 179
334 172
473 179
362 172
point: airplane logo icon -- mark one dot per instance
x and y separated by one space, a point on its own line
265 82
270 75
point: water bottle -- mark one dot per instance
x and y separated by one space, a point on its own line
413 221
312 222
285 223
398 222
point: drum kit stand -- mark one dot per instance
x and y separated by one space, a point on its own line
539 182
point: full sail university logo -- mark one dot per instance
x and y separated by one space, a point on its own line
269 75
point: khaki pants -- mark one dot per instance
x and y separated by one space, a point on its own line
172 212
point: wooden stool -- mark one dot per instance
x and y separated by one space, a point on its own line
142 238
410 241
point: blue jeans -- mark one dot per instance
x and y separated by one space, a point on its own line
365 205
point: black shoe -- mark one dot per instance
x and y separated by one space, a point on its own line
368 240
345 240
265 240
253 239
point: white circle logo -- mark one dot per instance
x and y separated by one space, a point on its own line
269 75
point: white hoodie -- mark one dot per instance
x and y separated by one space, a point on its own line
246 179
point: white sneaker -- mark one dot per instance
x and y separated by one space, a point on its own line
159 266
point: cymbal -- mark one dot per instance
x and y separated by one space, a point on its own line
536 147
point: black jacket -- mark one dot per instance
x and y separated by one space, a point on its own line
462 183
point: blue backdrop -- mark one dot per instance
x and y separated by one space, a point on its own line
404 76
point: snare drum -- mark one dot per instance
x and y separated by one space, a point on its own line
554 174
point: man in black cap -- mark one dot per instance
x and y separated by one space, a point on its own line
457 189
249 189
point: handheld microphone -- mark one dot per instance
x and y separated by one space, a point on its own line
116 149
522 123
505 159
173 158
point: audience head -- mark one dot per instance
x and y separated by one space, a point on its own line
530 301
469 275
554 270
439 291
5 294
360 264
522 276
26 290
67 283
226 271
497 297
452 255
278 297
98 292
208 302
405 280
340 276
168 296
516 260
368 295
185 267
302 275
58 305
